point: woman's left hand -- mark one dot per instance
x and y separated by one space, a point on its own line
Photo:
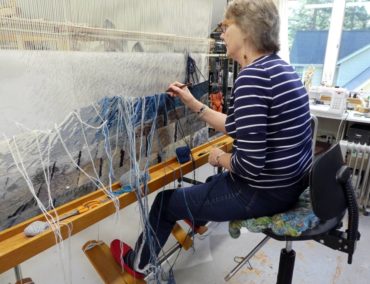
213 154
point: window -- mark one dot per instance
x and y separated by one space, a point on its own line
299 70
310 33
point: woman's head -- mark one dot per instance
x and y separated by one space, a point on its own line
259 22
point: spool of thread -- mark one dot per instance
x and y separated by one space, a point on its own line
183 154
35 228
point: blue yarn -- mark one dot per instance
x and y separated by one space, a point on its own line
183 154
124 189
171 278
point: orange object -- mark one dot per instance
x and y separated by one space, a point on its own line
88 205
81 209
217 101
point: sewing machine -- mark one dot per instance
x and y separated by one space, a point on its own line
332 101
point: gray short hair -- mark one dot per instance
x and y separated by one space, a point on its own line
259 20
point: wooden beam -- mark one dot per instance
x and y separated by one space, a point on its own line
15 247
182 237
108 269
102 260
49 30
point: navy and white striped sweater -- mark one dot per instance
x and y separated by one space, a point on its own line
269 119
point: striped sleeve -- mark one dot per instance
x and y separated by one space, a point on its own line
252 99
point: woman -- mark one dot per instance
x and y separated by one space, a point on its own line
269 120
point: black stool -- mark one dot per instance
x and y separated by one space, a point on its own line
332 195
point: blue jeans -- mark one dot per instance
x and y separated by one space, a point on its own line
222 197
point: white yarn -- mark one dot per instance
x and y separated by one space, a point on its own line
44 87
35 228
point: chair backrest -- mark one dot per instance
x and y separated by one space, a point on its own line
314 127
327 193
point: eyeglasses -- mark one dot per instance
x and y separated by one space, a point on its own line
224 25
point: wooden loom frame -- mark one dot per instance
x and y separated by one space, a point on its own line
65 35
16 248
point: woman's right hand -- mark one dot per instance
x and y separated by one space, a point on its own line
177 89
213 118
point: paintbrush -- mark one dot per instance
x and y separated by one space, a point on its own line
181 86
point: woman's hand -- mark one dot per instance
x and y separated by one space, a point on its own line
181 91
214 157
213 118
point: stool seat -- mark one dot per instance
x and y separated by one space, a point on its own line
292 223
322 228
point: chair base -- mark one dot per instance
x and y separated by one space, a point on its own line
286 266
286 263
246 258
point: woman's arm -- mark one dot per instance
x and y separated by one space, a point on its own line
213 118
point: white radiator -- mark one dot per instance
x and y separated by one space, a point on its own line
357 158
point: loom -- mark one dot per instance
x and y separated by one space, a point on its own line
16 247
81 86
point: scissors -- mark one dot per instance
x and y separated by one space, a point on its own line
82 209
